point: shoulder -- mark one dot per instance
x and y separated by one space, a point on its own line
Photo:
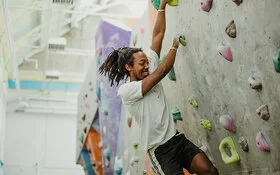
152 54
130 88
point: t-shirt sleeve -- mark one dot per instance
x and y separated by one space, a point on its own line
131 92
153 60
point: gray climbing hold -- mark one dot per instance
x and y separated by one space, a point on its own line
231 29
263 112
237 2
244 144
255 82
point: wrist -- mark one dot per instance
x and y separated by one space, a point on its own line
173 49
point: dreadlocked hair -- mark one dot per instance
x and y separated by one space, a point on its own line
114 65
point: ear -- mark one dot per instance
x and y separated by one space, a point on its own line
128 67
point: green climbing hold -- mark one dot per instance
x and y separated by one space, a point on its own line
162 58
276 61
84 117
135 145
156 3
193 102
171 74
82 138
206 124
227 143
182 40
176 113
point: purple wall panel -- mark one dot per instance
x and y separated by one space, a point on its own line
109 36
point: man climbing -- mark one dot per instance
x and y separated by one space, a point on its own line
144 98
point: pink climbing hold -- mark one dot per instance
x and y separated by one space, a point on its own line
225 52
142 30
261 143
206 5
227 122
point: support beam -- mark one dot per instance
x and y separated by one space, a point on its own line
11 43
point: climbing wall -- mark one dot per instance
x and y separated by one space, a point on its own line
111 34
87 108
230 79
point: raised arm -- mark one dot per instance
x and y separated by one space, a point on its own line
159 28
150 81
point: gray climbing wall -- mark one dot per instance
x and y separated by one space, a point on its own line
221 87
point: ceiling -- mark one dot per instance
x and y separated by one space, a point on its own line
47 47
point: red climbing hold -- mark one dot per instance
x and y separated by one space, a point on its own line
225 52
206 5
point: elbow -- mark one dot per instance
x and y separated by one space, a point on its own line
162 71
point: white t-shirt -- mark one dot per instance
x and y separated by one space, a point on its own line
151 111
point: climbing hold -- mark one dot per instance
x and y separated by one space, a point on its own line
91 89
125 154
173 2
156 3
231 29
244 144
261 142
99 52
255 82
176 113
104 130
98 59
82 138
136 159
171 74
144 172
193 102
1 164
106 153
206 124
263 112
85 130
135 145
225 52
118 166
107 162
228 145
227 122
134 41
90 83
100 144
98 90
84 117
206 5
86 105
237 2
142 30
105 106
182 40
276 61
162 58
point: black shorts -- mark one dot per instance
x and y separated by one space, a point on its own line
174 155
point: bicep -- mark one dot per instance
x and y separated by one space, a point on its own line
157 43
150 81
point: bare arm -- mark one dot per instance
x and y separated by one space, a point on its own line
150 81
159 28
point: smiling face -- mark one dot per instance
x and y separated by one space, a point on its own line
140 68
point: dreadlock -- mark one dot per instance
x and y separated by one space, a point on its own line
114 65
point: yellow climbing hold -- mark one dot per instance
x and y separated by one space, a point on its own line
227 143
206 124
173 2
